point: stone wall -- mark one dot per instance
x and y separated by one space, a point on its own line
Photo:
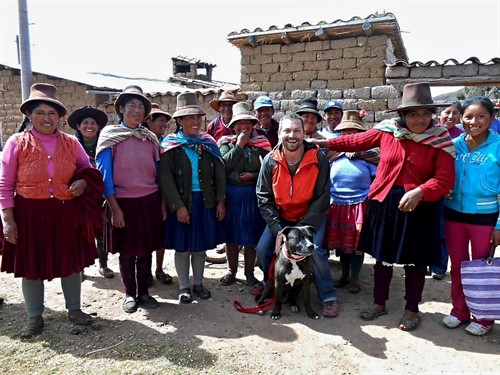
351 70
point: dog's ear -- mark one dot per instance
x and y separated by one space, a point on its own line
285 230
310 230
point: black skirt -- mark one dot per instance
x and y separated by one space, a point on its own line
397 237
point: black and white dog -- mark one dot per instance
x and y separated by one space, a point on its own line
292 271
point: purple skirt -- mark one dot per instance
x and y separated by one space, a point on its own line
143 230
50 243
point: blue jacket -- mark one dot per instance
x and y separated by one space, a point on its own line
477 177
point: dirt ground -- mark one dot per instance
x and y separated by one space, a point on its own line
212 337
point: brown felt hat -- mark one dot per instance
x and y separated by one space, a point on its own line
225 96
136 92
417 95
78 115
44 92
350 120
156 109
187 104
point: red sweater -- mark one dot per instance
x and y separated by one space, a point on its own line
404 163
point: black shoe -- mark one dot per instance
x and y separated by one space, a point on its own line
148 302
130 305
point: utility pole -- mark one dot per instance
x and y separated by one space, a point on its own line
24 48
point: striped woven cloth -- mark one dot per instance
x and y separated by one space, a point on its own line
112 134
436 136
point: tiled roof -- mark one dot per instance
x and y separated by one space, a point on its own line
447 62
374 24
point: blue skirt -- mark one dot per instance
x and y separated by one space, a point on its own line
397 237
203 232
243 223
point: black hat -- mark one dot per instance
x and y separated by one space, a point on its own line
309 105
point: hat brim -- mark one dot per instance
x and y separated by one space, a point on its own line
61 109
77 116
422 106
243 117
215 104
318 115
349 125
151 114
119 100
187 112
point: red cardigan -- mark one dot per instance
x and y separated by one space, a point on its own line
404 163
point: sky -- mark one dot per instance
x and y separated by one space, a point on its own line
139 38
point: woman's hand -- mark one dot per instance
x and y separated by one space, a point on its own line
410 200
117 218
321 143
220 211
182 215
78 187
164 211
242 139
496 237
246 177
9 225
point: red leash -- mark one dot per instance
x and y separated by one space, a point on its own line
267 305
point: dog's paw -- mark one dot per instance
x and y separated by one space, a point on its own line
294 308
275 315
311 314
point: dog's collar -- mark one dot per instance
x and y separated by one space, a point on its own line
290 256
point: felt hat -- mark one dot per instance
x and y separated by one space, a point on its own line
262 101
187 104
135 92
350 120
156 109
78 115
44 92
415 96
241 111
225 96
333 104
309 105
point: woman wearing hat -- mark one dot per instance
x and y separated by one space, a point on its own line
242 154
193 184
401 225
308 110
88 122
224 105
350 179
157 121
49 196
127 155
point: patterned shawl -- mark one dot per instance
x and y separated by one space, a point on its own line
436 136
202 142
259 141
113 134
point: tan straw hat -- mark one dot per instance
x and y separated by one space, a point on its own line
44 92
241 111
350 120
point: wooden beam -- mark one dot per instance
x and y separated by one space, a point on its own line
321 34
286 38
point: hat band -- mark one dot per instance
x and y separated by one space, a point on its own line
188 106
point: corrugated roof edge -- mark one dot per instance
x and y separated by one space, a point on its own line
274 28
473 60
